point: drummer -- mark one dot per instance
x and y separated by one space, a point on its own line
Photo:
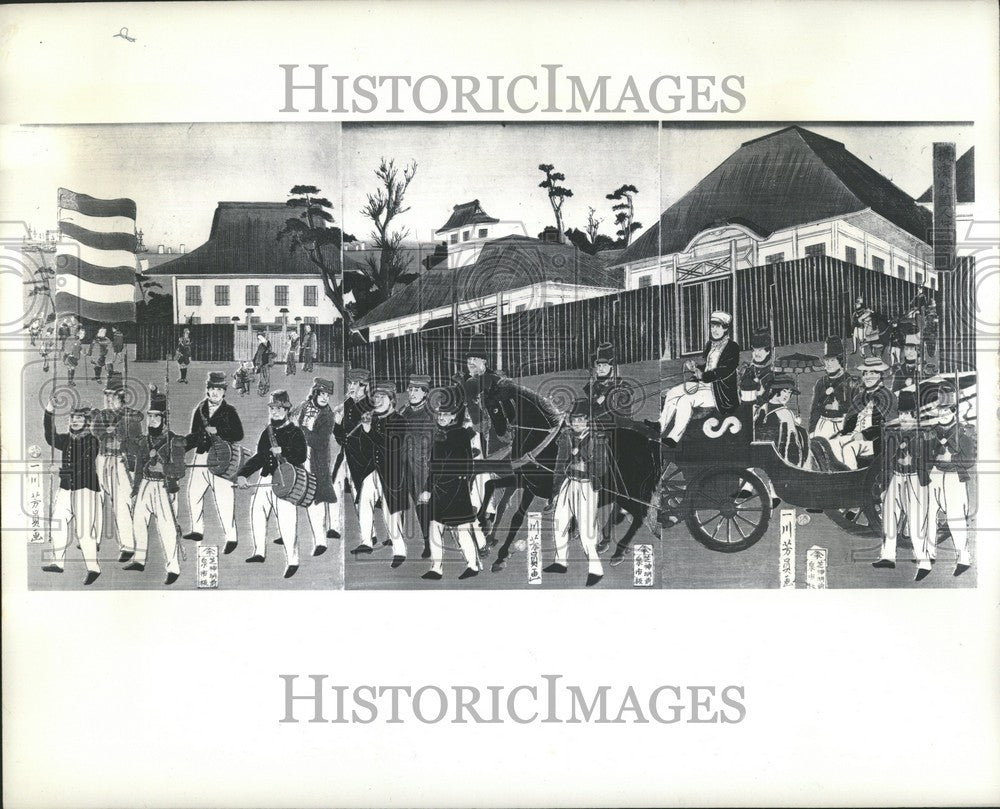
280 442
213 419
112 426
154 489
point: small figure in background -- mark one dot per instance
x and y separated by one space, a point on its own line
243 377
183 355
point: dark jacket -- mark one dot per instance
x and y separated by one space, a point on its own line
883 410
908 451
905 374
592 452
355 443
760 374
723 376
477 391
183 353
618 399
420 429
293 449
776 423
308 345
225 419
161 467
386 440
833 405
956 440
262 356
320 449
79 456
448 476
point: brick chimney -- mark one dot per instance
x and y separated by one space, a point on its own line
945 200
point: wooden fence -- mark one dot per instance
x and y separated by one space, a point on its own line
808 300
226 342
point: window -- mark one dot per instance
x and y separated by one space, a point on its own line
933 282
254 319
280 320
850 255
390 335
193 321
453 238
221 319
408 331
519 307
774 258
645 281
482 233
901 271
281 295
312 320
192 296
222 294
465 235
878 264
816 249
253 295
920 277
309 296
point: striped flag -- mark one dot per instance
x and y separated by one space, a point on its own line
95 258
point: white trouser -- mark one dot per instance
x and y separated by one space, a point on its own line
477 492
950 495
153 501
371 493
200 482
80 512
466 542
323 517
679 403
829 429
905 496
849 449
578 499
116 491
859 337
263 503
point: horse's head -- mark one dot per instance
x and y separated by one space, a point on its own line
511 404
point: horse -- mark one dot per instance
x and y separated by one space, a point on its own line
531 423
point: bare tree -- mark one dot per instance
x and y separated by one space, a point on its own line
625 212
557 194
382 207
593 225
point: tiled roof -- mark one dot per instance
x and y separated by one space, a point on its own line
468 213
787 178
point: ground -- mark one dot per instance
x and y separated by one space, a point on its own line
679 561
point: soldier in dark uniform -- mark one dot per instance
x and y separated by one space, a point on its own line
159 459
308 349
72 356
953 456
47 347
77 504
857 326
908 372
354 462
420 428
610 396
116 353
280 441
315 417
383 430
832 396
477 383
446 489
759 373
907 465
99 352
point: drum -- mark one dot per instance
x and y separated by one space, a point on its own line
225 459
294 484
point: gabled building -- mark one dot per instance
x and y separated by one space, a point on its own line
243 266
469 228
784 196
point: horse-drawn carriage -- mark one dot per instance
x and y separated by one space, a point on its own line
723 485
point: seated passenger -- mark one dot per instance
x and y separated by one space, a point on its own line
860 438
775 422
712 383
758 374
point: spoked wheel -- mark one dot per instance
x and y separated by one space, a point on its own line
668 497
864 519
727 509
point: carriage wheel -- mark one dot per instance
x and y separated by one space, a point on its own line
727 509
864 519
668 497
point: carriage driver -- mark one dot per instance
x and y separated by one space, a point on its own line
281 441
713 381
213 418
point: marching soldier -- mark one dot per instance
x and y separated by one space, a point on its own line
47 347
759 373
34 331
67 329
354 463
308 349
99 352
713 381
281 441
182 355
383 429
832 395
871 407
581 467
116 426
315 418
154 487
907 463
420 429
610 396
445 491
953 455
213 419
77 505
72 355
